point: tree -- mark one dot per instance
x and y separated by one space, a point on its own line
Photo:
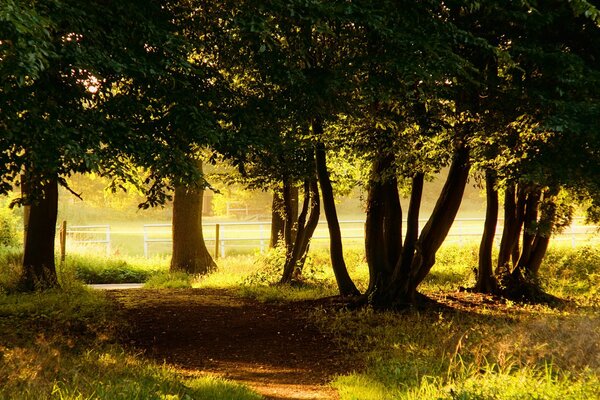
551 72
83 103
189 249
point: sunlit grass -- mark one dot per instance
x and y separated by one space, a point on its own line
536 352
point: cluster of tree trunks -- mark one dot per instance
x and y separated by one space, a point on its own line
397 267
529 216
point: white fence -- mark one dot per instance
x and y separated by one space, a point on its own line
256 235
90 235
226 237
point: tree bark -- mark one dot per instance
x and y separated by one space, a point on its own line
486 281
383 227
290 214
345 284
510 235
529 263
277 219
39 268
529 227
189 249
294 264
437 227
412 225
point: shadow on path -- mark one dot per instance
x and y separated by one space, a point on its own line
271 347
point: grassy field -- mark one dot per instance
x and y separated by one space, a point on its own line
127 238
61 345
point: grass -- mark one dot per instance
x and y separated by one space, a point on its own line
61 345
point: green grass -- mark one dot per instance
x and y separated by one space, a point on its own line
61 345
91 268
532 353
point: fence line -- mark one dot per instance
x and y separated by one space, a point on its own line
462 229
88 234
219 236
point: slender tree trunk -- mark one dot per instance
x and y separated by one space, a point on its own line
39 269
486 281
290 214
529 231
345 284
510 235
529 263
189 249
295 260
437 227
521 202
412 226
277 219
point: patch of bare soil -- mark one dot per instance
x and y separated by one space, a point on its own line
273 348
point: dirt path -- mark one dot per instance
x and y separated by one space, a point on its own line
273 348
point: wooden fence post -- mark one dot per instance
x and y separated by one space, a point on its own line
63 241
217 239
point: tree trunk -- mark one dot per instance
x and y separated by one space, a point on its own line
437 227
290 214
39 269
510 236
383 227
295 260
529 263
189 249
277 219
345 284
486 281
412 226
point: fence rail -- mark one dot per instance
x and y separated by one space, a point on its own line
88 235
223 237
256 235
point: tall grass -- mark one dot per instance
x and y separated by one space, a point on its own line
533 353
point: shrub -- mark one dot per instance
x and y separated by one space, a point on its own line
8 228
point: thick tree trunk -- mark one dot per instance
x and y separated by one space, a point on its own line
39 269
295 260
189 249
383 227
486 281
277 219
345 284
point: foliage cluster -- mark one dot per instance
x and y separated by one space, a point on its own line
8 228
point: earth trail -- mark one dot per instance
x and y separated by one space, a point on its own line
274 348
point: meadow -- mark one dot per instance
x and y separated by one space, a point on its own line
65 344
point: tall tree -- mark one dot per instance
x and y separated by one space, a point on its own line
83 103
